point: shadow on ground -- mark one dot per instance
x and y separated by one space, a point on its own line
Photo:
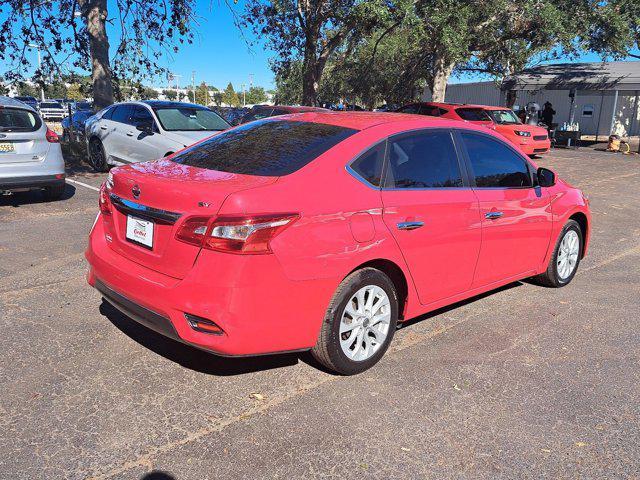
18 199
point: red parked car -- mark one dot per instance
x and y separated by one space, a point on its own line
322 231
258 112
532 139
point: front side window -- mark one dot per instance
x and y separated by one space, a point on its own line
473 114
423 160
266 147
369 165
494 164
141 116
190 119
18 120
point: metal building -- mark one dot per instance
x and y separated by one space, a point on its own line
602 97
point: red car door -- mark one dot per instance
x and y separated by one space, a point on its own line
431 212
516 215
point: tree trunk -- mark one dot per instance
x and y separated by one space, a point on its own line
309 85
94 13
439 78
511 98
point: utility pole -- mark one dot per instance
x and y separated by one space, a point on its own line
244 97
193 84
177 77
250 81
37 47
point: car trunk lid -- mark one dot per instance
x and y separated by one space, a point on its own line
166 193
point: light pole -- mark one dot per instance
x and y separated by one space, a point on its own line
37 47
193 84
244 97
177 77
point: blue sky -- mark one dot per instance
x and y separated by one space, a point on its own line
220 52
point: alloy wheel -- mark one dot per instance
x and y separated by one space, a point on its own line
568 254
364 324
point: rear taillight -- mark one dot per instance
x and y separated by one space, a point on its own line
234 234
52 137
103 200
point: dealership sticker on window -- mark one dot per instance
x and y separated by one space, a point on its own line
140 231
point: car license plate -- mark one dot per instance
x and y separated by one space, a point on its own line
140 231
6 147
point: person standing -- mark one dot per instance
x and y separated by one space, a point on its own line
547 114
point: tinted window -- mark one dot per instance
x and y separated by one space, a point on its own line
121 114
494 164
257 113
108 113
18 120
473 114
415 108
265 147
423 160
50 105
432 111
369 165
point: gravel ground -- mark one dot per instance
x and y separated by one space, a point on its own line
524 382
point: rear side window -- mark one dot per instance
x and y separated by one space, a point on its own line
425 159
414 108
473 114
121 113
369 165
18 120
257 114
266 147
494 164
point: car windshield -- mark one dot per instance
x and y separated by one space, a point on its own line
504 117
473 114
50 105
267 147
189 119
18 120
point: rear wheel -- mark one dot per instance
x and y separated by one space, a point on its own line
97 156
359 324
53 192
565 259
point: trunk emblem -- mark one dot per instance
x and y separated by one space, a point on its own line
136 191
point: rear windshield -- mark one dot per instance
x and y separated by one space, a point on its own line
265 147
18 120
473 114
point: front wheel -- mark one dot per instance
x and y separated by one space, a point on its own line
565 259
359 324
97 156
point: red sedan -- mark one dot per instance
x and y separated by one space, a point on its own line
323 231
531 139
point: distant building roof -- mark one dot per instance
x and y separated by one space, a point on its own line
581 76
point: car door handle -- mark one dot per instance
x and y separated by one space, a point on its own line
493 215
409 225
130 134
103 127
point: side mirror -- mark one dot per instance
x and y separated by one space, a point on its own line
546 177
145 128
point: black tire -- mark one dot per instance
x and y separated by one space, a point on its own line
53 192
97 156
327 350
551 278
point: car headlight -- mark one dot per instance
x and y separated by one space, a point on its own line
522 134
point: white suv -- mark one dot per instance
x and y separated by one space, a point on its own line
132 132
30 154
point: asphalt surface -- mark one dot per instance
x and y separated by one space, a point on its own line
524 382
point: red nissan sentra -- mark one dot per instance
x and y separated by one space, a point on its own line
323 231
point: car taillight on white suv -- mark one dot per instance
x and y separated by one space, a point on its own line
235 234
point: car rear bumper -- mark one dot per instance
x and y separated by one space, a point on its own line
258 308
33 181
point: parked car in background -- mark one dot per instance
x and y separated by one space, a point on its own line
531 139
73 126
322 231
31 101
231 114
50 110
133 132
82 106
258 112
30 155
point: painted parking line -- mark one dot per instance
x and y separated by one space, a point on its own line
83 184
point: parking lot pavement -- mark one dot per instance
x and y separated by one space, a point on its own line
523 382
